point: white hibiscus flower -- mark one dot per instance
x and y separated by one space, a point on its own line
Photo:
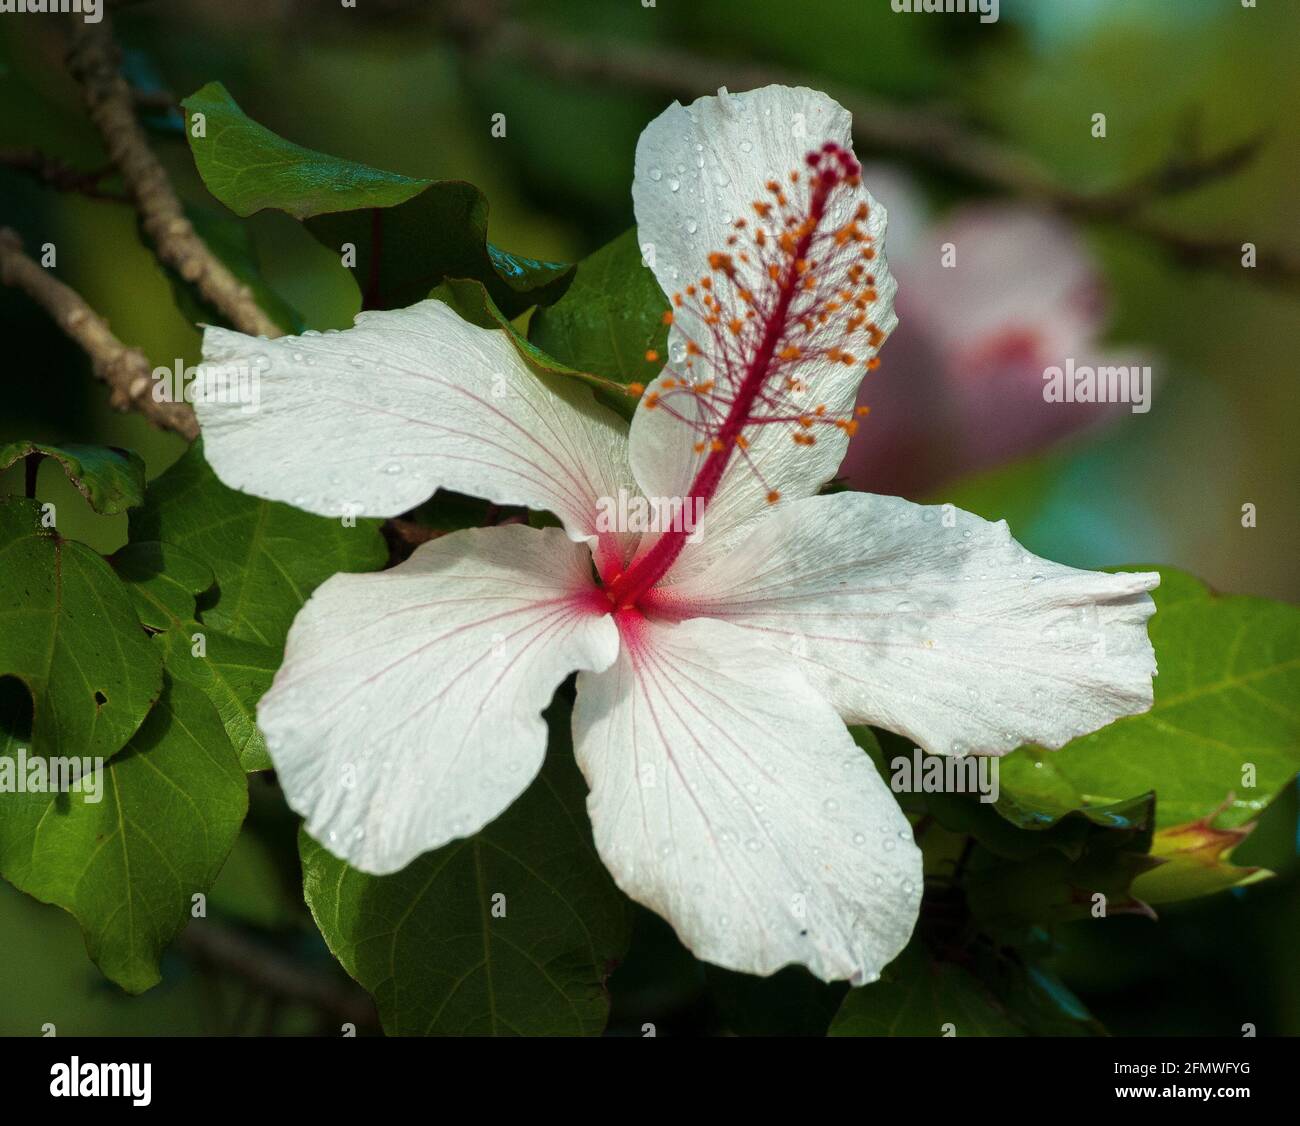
716 672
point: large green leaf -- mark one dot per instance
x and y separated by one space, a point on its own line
1227 704
69 633
427 945
267 557
112 480
917 996
128 865
232 673
409 233
1017 868
610 318
990 993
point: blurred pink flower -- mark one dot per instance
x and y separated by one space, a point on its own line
960 387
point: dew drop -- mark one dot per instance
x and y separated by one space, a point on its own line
656 174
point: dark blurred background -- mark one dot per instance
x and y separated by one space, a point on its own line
412 87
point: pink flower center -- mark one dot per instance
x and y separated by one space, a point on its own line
793 288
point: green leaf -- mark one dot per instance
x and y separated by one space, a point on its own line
111 479
991 993
409 233
1008 897
473 303
70 635
1014 868
128 864
425 941
1225 709
232 673
267 557
917 996
609 318
1195 860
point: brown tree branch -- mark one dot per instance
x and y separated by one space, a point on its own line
56 173
93 60
125 370
925 136
267 970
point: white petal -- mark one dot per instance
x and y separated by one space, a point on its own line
936 624
698 168
372 420
407 710
727 796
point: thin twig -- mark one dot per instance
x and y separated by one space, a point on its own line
125 370
925 136
264 968
56 173
93 60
